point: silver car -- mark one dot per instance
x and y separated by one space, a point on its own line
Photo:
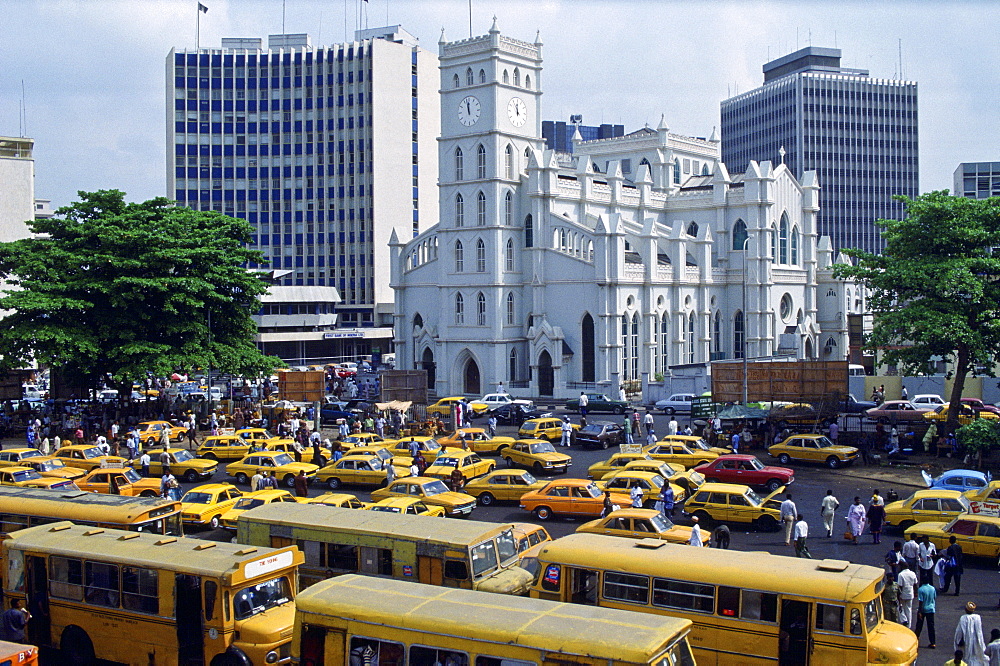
678 403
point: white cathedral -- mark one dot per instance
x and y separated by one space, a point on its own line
637 255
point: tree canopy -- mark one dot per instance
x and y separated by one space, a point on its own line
935 289
123 288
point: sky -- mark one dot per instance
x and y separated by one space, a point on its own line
85 78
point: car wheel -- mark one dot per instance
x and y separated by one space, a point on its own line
509 461
500 449
543 513
214 522
703 517
290 480
489 469
211 456
832 462
773 485
537 469
669 411
619 410
190 476
766 523
604 443
242 478
486 499
147 493
784 459
333 483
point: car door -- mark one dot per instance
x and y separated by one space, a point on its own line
964 532
926 509
987 540
99 482
719 507
558 499
502 487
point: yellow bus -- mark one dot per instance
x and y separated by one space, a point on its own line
27 507
747 607
453 553
151 600
362 620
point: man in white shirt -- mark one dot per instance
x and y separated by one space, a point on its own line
925 560
636 495
583 403
907 581
788 516
567 431
911 549
647 421
695 539
799 534
672 426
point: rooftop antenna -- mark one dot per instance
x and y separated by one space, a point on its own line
345 20
470 18
282 16
319 37
23 116
202 9
901 58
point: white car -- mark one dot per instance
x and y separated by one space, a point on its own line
926 401
678 403
494 400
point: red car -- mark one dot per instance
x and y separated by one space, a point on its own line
980 406
747 470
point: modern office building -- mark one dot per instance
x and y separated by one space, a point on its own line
17 187
324 150
858 133
559 135
977 180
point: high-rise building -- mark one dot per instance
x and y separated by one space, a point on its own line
17 187
858 133
324 150
559 135
977 180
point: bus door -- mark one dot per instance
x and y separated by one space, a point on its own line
429 570
794 639
583 586
190 633
40 627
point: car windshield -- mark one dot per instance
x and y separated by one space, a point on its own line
131 475
542 447
283 459
506 546
656 481
700 444
375 463
92 452
248 503
528 478
261 597
388 509
822 442
966 507
696 478
49 465
192 497
434 488
660 522
31 454
26 475
182 456
446 460
431 445
484 558
592 490
752 497
383 454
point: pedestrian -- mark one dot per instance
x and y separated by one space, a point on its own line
144 464
192 436
720 536
799 534
583 403
169 487
969 636
734 442
695 539
14 621
318 458
876 516
648 421
456 479
622 396
926 556
993 647
828 509
380 426
834 431
491 426
636 422
667 498
270 481
956 660
635 494
257 481
414 447
165 437
390 471
301 484
953 566
414 470
650 437
788 515
911 550
907 581
627 428
894 557
420 462
165 460
567 431
609 506
672 426
926 608
856 520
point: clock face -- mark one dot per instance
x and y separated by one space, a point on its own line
517 111
468 111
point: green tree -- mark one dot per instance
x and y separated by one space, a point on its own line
935 289
978 436
123 288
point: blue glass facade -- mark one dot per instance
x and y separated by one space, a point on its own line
559 135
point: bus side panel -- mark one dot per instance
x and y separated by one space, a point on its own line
335 647
429 570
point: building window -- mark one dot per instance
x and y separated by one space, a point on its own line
527 158
785 307
795 245
510 309
459 164
509 257
508 161
774 244
506 79
481 161
459 309
527 81
739 337
480 256
508 209
665 341
456 81
677 172
482 76
529 232
517 76
459 210
459 257
689 347
739 235
783 240
481 209
717 334
468 77
512 366
481 309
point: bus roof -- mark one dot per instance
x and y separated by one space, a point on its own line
180 554
604 633
83 506
827 579
418 528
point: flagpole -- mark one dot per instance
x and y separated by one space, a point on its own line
197 28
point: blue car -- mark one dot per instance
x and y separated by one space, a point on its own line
958 479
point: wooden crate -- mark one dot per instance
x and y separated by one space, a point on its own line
302 386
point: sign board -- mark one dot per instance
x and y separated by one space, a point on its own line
268 564
634 447
343 334
792 381
985 508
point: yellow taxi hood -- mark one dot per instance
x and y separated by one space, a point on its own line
513 580
271 626
892 644
773 495
846 450
552 456
451 498
894 507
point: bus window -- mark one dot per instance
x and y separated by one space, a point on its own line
66 578
873 613
10 522
759 606
427 655
855 622
261 597
583 588
340 557
728 603
484 558
140 590
496 661
551 579
371 651
456 570
506 546
211 592
681 594
829 617
102 584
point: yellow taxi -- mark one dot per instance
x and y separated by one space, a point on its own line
337 500
252 501
813 448
676 451
666 470
362 439
966 414
735 503
182 465
618 461
428 446
696 443
357 469
280 465
204 505
546 427
18 456
432 491
119 481
530 539
467 462
444 406
410 506
476 439
690 480
379 450
86 457
931 505
149 432
977 534
223 447
290 447
988 493
257 435
53 467
502 485
26 477
641 524
650 483
537 455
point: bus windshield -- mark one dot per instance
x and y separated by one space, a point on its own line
261 597
484 558
873 613
506 546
